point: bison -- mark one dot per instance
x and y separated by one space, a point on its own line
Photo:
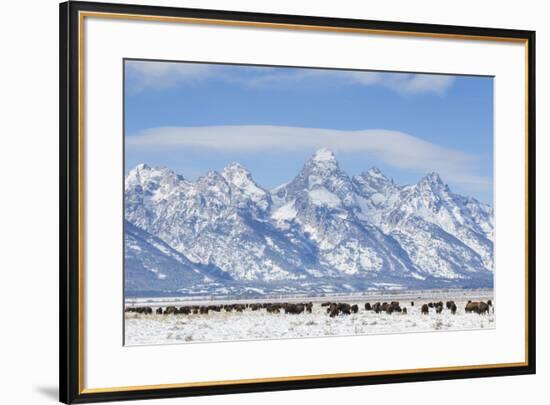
453 308
255 307
479 307
171 310
395 306
294 308
344 308
273 308
425 309
144 310
333 310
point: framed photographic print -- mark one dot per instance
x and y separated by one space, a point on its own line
255 202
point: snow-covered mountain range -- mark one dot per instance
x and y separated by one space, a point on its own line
324 231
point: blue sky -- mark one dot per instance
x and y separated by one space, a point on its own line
195 117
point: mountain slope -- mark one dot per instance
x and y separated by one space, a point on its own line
322 231
324 200
151 265
219 222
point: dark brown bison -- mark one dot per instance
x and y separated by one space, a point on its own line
425 309
368 307
144 310
185 310
404 312
344 308
294 309
448 304
354 308
394 305
479 307
453 308
483 308
471 307
412 303
170 310
158 311
333 310
273 308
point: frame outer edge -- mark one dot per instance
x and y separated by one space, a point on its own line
69 390
63 235
70 362
531 203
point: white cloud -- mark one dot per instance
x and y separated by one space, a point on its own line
165 75
397 149
407 82
162 75
404 83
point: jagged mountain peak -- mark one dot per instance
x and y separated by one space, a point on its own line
235 167
142 166
214 182
151 178
375 172
323 161
375 176
374 181
432 179
323 155
236 173
241 180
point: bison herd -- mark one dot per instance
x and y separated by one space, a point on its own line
287 308
337 308
438 307
333 309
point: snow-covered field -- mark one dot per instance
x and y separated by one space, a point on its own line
250 325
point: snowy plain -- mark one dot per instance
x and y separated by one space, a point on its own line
252 325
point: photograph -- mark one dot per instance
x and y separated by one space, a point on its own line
284 202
